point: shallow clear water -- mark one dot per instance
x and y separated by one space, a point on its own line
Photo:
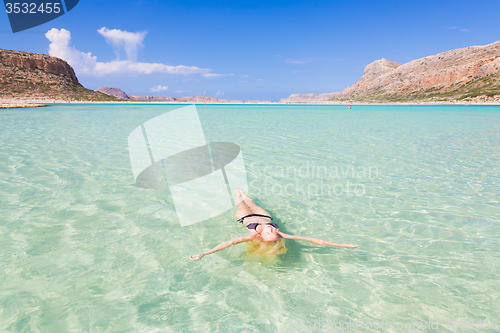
83 249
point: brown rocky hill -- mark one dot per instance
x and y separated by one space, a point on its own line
458 75
116 92
32 75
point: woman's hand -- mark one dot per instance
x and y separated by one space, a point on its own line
196 257
224 245
317 241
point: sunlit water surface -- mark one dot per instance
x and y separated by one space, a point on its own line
83 249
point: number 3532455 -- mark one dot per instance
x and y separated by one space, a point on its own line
32 8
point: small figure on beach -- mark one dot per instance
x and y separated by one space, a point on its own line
264 234
349 106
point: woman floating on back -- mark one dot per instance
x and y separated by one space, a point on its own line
262 232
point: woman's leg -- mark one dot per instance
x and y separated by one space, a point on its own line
241 207
255 209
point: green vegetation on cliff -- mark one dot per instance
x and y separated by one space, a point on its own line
30 75
469 74
485 88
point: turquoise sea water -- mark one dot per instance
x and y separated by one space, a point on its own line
83 249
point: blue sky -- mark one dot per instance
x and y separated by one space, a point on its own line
263 50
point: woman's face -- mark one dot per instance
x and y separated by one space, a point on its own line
269 234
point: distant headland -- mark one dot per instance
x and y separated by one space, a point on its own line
118 93
41 78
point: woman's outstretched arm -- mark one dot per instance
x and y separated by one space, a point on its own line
317 241
224 245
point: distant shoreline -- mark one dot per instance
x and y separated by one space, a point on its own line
42 102
20 105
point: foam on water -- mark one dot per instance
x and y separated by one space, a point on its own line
83 249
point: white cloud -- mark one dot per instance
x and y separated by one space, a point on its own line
182 91
59 47
219 94
159 88
129 41
296 61
214 75
130 67
85 63
460 29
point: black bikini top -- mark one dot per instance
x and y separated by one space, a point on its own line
253 226
250 215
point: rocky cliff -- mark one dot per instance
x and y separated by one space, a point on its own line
33 61
462 74
116 92
32 75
